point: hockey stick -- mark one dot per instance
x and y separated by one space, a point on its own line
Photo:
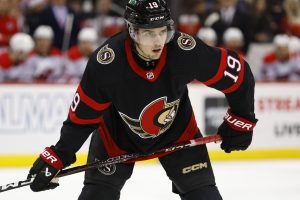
118 159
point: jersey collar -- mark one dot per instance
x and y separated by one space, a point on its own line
149 75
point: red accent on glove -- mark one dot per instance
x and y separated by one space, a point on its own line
238 123
51 158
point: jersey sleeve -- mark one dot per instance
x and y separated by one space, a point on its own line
229 73
85 113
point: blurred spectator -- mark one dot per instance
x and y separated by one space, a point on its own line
294 45
228 15
262 22
233 39
104 7
8 22
198 7
292 19
44 37
32 9
61 19
279 64
17 12
11 60
34 6
83 9
193 15
78 55
76 6
107 19
175 7
37 5
189 23
277 13
45 63
208 36
295 74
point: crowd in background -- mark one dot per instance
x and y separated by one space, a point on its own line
51 40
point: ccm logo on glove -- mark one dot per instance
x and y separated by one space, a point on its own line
238 123
51 158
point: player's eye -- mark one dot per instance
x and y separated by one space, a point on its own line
149 34
163 32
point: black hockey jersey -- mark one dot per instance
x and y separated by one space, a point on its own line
139 110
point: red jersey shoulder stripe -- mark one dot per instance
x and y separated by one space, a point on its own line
90 102
235 86
221 70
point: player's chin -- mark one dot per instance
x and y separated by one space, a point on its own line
156 55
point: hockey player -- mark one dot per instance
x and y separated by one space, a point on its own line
133 97
77 56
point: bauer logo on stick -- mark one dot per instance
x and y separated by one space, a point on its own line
105 55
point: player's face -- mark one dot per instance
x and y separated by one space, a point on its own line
282 52
43 45
87 48
20 56
150 42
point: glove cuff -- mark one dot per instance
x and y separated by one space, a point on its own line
51 158
238 123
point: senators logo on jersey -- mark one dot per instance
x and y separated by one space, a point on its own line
154 119
186 42
105 55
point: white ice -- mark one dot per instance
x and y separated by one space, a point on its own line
248 180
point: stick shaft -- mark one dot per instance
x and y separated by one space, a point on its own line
119 159
134 156
16 185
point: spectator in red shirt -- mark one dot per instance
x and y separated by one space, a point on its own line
8 23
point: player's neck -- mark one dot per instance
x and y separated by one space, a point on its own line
140 53
142 62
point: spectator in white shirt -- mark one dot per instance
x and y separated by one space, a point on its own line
77 56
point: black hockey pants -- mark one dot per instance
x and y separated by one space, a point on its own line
189 170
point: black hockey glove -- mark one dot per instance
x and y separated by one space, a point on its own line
236 132
44 169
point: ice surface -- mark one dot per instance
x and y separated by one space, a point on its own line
247 180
